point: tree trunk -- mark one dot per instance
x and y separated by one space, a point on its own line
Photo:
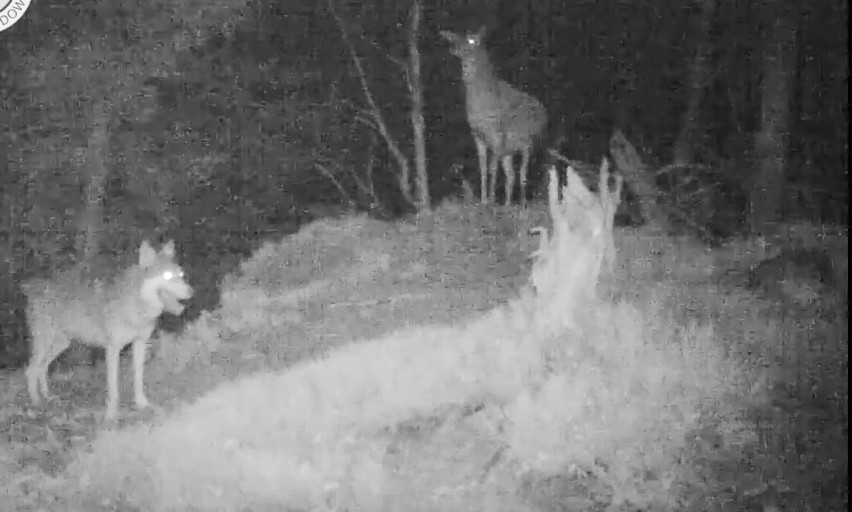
772 141
417 122
699 78
91 221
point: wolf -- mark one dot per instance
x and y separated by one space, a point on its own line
109 313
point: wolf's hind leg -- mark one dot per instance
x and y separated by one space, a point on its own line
44 350
139 349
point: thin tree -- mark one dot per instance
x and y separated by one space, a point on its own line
771 142
415 90
375 118
699 78
85 82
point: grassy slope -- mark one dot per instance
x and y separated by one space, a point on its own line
659 399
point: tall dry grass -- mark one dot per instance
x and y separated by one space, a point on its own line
561 379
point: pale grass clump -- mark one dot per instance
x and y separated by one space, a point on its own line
626 385
296 260
567 382
631 388
269 291
299 435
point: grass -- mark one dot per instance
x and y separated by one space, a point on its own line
360 365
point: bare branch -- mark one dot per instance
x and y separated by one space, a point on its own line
400 63
366 119
334 181
375 113
364 187
565 160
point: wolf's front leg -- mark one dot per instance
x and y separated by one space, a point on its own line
112 354
139 348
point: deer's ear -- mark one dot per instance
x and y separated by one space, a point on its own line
480 34
449 36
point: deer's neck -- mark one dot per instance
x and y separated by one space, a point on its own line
477 72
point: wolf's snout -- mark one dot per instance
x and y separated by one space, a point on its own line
187 294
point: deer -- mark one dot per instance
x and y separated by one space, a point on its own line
504 120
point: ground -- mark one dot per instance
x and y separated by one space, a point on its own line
360 285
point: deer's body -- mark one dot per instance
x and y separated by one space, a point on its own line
504 121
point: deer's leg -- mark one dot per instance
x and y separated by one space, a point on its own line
482 153
509 171
525 165
493 167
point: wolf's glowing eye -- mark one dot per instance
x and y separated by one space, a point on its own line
168 275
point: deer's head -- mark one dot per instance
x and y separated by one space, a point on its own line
465 46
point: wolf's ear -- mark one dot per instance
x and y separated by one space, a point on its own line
147 255
479 35
168 249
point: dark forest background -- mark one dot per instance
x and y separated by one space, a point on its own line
220 123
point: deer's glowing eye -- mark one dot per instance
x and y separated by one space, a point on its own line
471 41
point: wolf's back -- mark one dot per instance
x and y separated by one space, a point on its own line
73 307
